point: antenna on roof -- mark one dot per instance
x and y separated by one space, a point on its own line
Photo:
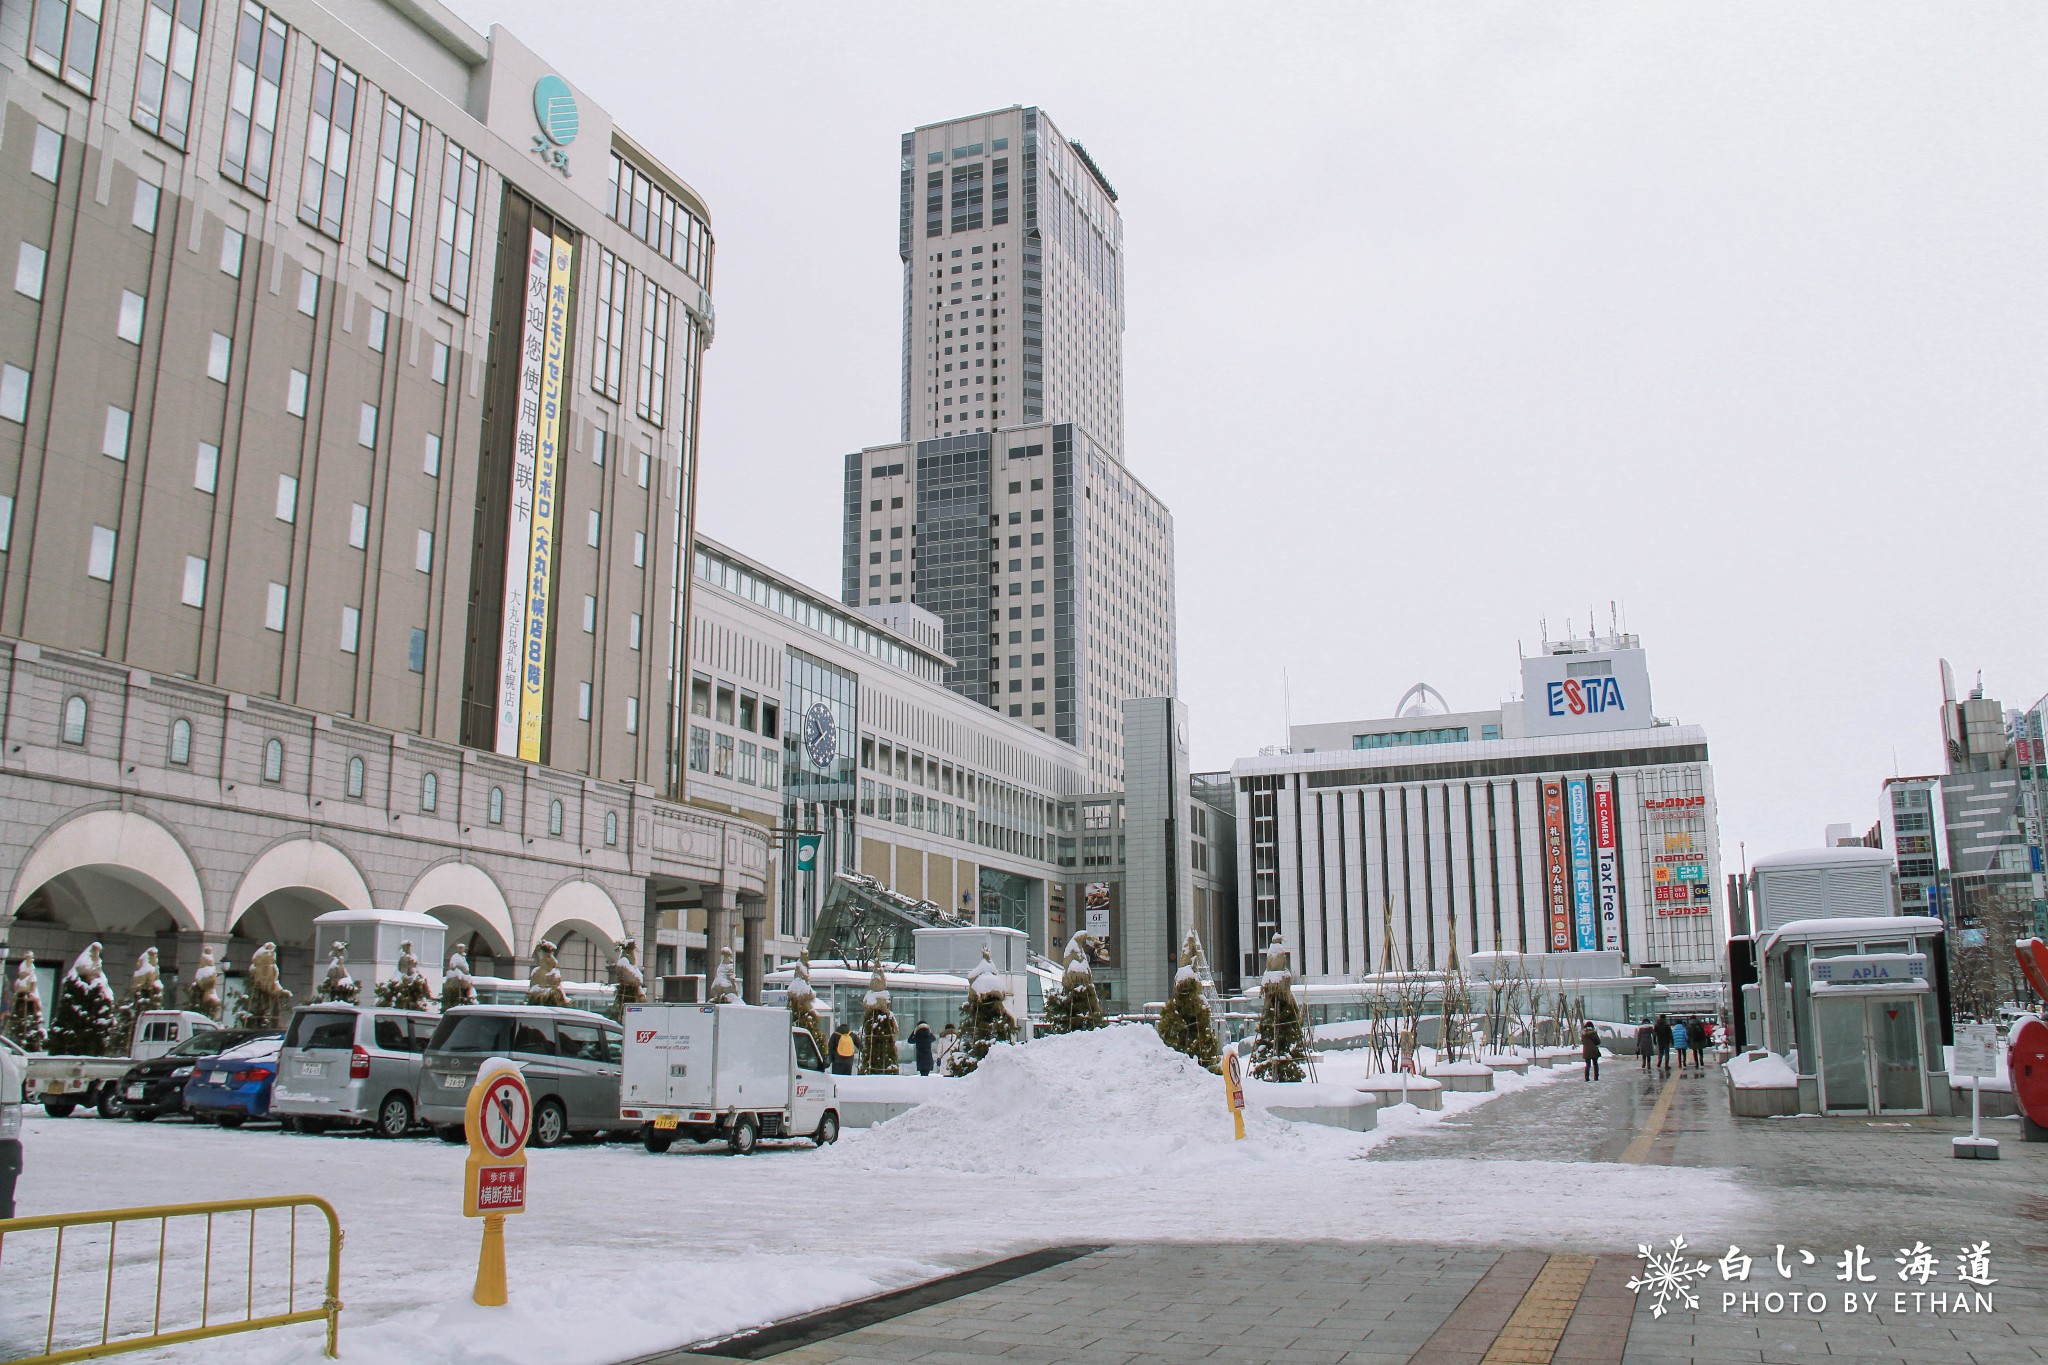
1286 711
1613 617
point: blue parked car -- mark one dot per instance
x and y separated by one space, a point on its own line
233 1087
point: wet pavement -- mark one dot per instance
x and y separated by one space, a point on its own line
1830 1271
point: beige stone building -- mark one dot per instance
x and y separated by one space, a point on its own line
348 396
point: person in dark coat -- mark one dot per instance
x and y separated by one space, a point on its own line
842 1047
1696 1036
1589 1048
1646 1043
1663 1034
924 1040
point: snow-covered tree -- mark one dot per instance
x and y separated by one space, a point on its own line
338 987
145 992
544 982
724 989
986 1019
266 1001
408 989
1186 1025
1456 1009
84 1023
456 988
1076 1006
203 995
877 1029
1280 1052
25 1010
803 1002
629 986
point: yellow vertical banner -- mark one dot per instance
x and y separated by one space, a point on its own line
546 472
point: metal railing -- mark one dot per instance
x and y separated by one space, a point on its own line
215 1214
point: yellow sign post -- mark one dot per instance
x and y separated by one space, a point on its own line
497 1118
1233 1089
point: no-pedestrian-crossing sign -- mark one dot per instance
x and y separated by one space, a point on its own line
498 1117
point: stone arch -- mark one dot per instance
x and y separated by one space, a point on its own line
119 861
584 909
465 898
289 883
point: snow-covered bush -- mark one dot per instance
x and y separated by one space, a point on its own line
84 1023
986 1019
25 1009
1280 1052
1186 1025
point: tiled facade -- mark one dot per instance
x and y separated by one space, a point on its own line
270 426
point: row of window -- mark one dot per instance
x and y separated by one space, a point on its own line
77 714
735 760
65 42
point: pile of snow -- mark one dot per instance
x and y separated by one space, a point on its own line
1459 1069
1760 1070
1112 1101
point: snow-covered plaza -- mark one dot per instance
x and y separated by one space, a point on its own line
1095 1138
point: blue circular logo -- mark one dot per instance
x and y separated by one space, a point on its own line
554 108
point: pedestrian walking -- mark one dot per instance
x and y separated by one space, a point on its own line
949 1042
1697 1036
1678 1042
843 1049
1663 1036
1589 1048
923 1040
1646 1044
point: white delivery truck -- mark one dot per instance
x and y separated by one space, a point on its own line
740 1072
63 1083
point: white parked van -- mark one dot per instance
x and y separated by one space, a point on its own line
739 1072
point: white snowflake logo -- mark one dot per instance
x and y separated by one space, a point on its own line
1669 1275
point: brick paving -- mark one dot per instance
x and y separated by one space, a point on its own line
1830 1185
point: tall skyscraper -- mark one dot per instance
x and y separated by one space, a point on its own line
1013 432
1013 302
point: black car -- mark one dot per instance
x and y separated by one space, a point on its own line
157 1086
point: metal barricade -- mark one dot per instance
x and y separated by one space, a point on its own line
213 1321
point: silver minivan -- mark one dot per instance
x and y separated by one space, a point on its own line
349 1065
570 1059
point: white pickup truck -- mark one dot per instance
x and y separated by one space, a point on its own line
63 1083
739 1072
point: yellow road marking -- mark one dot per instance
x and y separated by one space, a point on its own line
1638 1151
1538 1324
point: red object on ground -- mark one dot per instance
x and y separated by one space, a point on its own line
2026 1062
2033 957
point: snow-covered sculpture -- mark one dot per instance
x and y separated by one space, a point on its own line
456 988
1186 1025
408 988
84 1023
803 1001
1076 1005
264 1003
25 1009
629 986
986 1019
338 986
203 995
877 1029
723 990
145 992
1280 1052
544 982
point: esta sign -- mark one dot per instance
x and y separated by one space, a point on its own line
1582 696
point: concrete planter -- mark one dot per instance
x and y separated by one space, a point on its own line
1762 1102
868 1113
1421 1094
1518 1065
1479 1082
1359 1116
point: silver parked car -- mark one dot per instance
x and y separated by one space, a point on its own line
570 1059
351 1065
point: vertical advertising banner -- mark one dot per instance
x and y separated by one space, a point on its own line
519 537
1553 864
1606 850
1578 809
547 462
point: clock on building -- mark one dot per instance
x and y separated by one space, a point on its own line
821 736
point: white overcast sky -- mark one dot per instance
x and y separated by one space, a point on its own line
1445 319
